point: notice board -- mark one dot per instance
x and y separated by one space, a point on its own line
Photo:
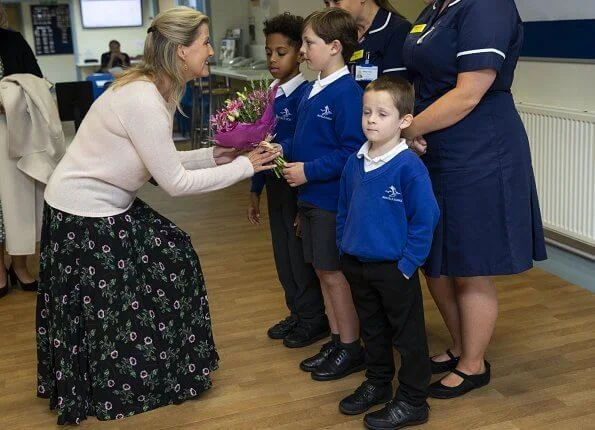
52 29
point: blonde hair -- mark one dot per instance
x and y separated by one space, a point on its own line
170 29
3 17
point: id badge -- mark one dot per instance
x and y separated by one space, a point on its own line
366 72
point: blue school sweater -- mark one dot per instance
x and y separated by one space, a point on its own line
286 111
328 131
387 214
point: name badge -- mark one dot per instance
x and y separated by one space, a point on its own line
419 28
366 72
357 55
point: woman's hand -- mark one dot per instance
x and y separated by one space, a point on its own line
294 174
298 225
418 144
262 158
224 155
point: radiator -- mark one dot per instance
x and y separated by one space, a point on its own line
563 150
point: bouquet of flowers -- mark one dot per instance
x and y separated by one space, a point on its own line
247 121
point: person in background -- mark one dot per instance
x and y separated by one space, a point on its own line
462 55
16 56
380 256
114 57
123 321
381 33
298 279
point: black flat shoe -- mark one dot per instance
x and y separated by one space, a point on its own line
396 415
339 364
311 364
444 366
4 289
305 334
14 279
470 382
282 328
364 397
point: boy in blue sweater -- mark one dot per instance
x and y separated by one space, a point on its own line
385 222
328 131
301 287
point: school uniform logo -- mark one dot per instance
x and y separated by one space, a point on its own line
326 113
285 115
393 195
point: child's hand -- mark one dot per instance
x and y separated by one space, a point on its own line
298 225
254 209
270 146
294 174
224 155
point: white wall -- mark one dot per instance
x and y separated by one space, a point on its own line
227 14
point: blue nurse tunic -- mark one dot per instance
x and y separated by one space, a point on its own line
481 166
382 47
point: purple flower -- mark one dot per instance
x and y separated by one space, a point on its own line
41 330
134 305
119 417
75 349
161 326
91 270
106 248
111 383
102 284
148 340
46 297
160 292
152 313
121 264
64 299
191 338
91 244
127 218
44 313
192 392
56 343
60 400
176 305
132 336
148 288
143 374
114 354
132 361
141 398
58 375
126 387
67 270
111 220
70 235
108 406
161 266
191 368
145 259
41 389
76 320
157 241
163 355
59 216
121 234
206 371
172 277
171 244
100 313
177 388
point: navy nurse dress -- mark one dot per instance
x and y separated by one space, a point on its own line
480 167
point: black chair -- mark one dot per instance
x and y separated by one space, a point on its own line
74 100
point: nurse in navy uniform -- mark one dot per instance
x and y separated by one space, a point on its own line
462 55
381 34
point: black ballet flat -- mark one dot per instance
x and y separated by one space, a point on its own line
470 382
14 279
444 366
4 289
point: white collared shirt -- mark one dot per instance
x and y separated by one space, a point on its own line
321 84
376 162
288 87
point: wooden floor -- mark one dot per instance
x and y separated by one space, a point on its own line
542 354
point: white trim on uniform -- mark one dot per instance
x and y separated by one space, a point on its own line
376 30
482 51
453 3
396 69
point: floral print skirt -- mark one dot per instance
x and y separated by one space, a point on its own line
123 321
